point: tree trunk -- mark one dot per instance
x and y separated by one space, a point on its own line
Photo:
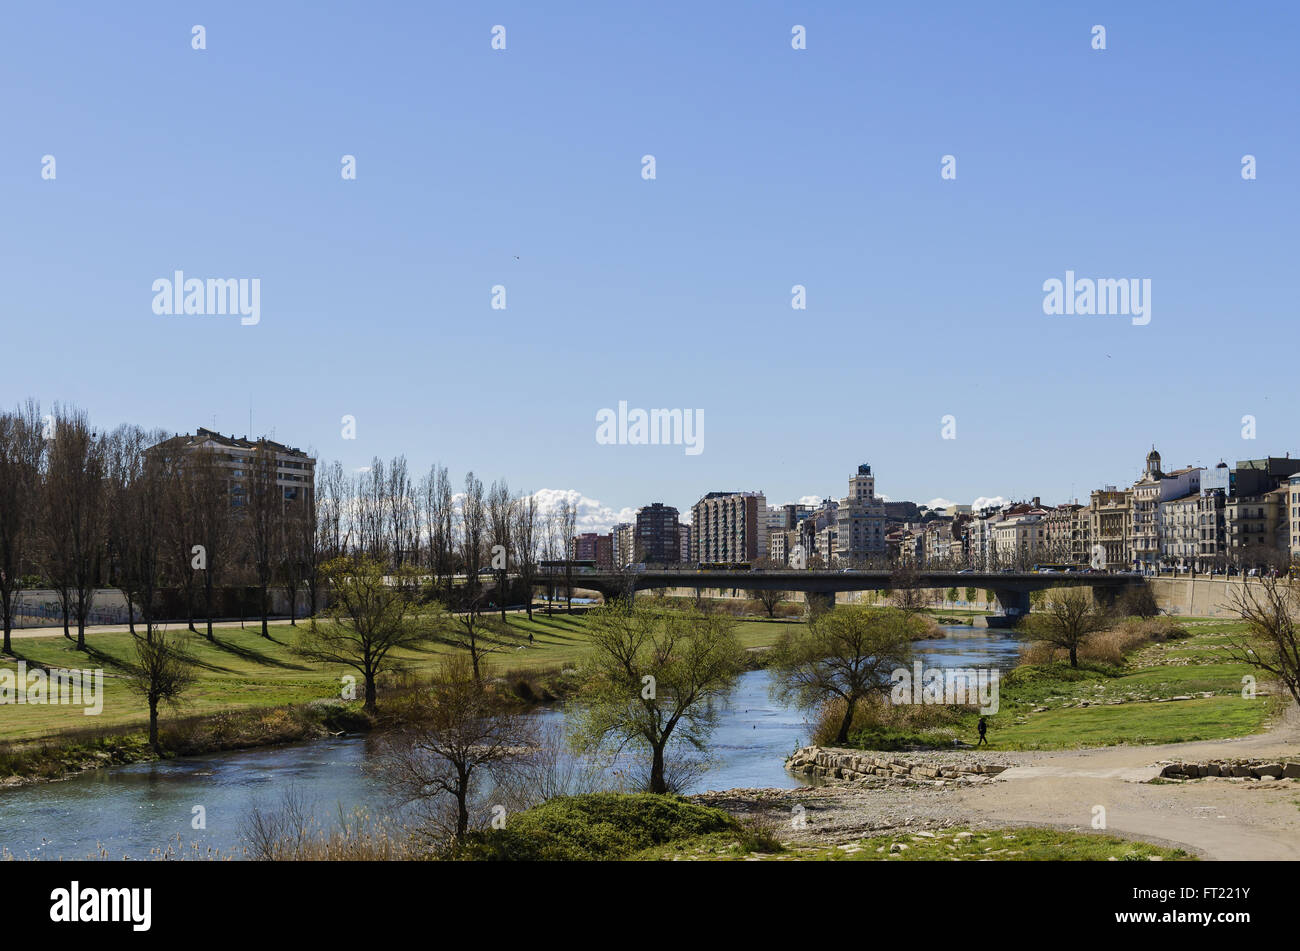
207 604
657 782
153 727
843 735
371 705
1074 655
462 810
265 632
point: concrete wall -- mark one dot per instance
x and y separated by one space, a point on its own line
1200 596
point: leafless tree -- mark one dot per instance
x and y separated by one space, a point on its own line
22 449
568 529
500 512
525 535
1068 618
163 670
74 514
1270 607
473 528
906 592
143 480
459 735
262 517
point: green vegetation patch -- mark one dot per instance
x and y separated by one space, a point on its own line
596 827
947 845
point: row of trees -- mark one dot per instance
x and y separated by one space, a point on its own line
170 524
131 509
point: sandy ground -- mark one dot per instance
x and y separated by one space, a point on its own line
1214 818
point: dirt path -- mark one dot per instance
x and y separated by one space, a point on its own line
1214 818
1218 818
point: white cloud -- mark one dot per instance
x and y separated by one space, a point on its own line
593 515
813 500
939 503
984 502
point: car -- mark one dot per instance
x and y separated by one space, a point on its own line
966 571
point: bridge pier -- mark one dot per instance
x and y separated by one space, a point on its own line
1014 604
819 601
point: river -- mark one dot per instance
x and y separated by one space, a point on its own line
139 809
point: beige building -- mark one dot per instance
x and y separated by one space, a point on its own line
1293 492
295 471
729 527
860 521
1108 526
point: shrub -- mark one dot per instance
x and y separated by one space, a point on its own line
595 827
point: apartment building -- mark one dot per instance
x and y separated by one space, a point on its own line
729 527
1060 534
295 471
622 535
592 546
683 543
655 536
1108 523
1180 527
1293 516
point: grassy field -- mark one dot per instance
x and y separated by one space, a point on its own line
243 669
1056 708
1053 706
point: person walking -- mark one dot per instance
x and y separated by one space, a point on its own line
983 728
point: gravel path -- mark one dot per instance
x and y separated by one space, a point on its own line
1214 818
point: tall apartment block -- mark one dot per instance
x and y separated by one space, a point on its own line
729 527
655 537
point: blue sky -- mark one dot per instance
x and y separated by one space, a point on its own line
775 167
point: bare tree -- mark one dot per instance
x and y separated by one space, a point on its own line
473 527
568 530
262 518
1068 618
500 511
74 513
143 470
469 631
906 592
459 734
163 670
525 535
21 451
206 517
768 597
1271 609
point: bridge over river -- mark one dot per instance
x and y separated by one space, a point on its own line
1010 588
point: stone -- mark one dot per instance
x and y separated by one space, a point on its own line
1272 771
1291 770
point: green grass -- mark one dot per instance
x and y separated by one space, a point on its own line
948 845
1054 706
243 670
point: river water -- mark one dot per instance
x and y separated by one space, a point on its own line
140 809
